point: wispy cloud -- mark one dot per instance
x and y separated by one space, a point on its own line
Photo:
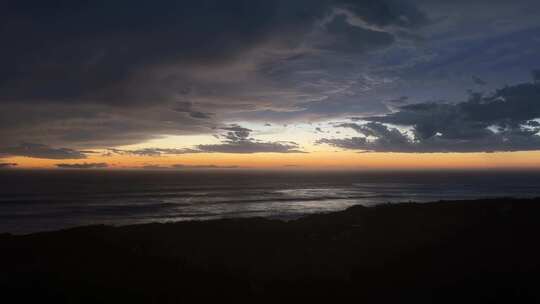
186 167
83 166
7 165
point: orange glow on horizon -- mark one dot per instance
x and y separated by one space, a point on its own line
341 160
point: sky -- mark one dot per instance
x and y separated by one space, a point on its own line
283 84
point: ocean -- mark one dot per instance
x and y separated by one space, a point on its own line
42 200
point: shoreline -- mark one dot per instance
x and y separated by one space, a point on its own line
483 250
283 218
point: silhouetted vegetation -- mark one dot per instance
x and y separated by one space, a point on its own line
447 252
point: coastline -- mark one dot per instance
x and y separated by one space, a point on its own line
480 250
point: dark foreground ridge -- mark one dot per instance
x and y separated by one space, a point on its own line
481 251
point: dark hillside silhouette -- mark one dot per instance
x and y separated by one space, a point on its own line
483 251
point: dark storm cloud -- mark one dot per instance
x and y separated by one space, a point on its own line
92 126
83 166
105 73
92 47
86 49
41 151
502 121
494 40
508 107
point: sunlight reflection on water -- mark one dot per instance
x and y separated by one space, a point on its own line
41 202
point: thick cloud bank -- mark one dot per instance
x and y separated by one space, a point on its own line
506 120
41 151
104 74
108 73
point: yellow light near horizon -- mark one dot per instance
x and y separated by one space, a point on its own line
340 160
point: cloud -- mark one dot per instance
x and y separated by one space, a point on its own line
156 152
154 167
7 165
236 133
83 166
186 167
237 140
187 107
478 81
400 100
181 166
506 120
89 126
347 38
536 75
247 147
146 70
41 151
402 14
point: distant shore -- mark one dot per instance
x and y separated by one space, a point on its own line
441 252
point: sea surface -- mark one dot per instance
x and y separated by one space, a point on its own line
32 201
